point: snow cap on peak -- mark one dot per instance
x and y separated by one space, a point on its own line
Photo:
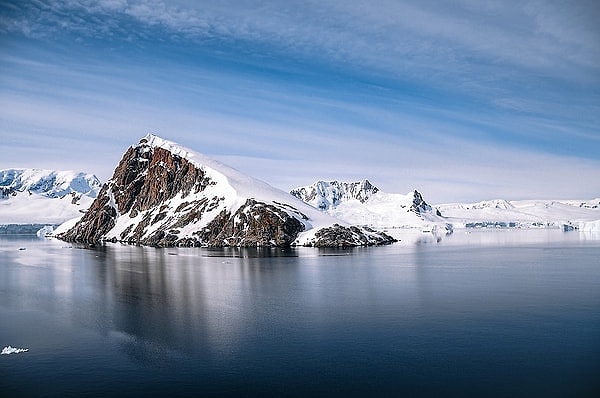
154 141
151 139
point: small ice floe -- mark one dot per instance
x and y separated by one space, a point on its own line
45 232
12 350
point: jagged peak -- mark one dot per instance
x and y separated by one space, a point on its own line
154 141
419 205
325 194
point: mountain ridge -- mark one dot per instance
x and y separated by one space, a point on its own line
168 195
29 196
362 203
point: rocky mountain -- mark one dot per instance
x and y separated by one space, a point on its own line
361 203
325 195
162 193
44 196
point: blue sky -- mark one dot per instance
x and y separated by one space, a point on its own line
463 100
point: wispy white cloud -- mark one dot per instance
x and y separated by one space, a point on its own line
383 33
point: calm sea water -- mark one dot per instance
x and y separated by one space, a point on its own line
506 313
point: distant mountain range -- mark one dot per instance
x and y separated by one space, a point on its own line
567 214
44 196
162 193
362 203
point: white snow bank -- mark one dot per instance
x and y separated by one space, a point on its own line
67 225
12 350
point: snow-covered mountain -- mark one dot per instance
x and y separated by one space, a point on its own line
361 203
44 196
326 195
579 214
164 194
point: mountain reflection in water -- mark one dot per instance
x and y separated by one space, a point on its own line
486 313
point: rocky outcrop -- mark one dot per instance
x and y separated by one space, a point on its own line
165 195
253 224
96 222
339 236
420 206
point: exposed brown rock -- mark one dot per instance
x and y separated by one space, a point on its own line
99 219
253 224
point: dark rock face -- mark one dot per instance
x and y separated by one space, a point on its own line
339 236
253 224
98 220
147 177
419 205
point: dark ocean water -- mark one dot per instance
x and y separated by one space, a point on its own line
506 313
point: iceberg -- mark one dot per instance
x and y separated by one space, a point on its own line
45 231
12 350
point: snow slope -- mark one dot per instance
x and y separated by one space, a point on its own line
30 196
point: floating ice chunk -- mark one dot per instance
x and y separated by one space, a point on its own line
45 231
12 350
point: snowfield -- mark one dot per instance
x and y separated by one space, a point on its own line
579 214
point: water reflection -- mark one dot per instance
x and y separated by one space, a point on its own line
493 237
347 318
152 302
